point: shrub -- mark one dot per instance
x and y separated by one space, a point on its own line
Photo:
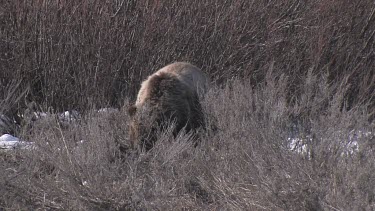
289 117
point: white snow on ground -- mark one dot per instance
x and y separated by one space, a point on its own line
108 110
10 142
41 115
299 145
6 138
69 116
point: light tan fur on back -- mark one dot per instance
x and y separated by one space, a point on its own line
187 73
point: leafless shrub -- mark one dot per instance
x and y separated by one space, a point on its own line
104 49
245 164
286 71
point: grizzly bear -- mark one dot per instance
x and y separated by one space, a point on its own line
169 95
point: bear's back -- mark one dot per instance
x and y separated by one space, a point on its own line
190 75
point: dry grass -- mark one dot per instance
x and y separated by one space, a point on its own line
245 164
281 69
104 49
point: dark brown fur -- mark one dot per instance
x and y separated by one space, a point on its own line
168 100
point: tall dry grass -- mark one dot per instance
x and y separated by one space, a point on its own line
77 53
281 69
244 163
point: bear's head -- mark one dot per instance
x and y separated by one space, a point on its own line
144 125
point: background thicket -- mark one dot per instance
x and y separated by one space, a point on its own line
71 54
280 70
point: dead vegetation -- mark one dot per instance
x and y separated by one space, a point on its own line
282 69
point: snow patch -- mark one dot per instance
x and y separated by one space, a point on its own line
350 145
298 145
108 110
10 142
69 116
41 115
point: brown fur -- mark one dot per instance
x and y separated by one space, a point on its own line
164 97
190 75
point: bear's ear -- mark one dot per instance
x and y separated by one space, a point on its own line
131 110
